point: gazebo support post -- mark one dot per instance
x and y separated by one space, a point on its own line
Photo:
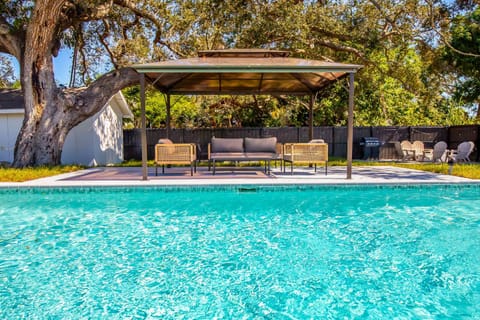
350 125
310 117
168 116
143 135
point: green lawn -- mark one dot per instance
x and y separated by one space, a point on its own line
466 170
25 174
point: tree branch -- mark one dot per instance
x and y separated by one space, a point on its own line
89 100
339 47
10 42
81 48
102 38
379 8
129 4
144 14
79 11
443 38
330 34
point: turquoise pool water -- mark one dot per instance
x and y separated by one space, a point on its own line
240 253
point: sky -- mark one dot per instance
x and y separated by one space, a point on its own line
61 66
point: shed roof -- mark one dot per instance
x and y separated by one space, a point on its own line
11 99
243 71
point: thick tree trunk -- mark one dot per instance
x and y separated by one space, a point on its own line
42 136
51 133
50 113
38 83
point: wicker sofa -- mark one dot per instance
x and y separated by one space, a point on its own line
243 149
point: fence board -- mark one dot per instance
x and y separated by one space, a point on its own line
284 135
391 133
458 134
336 137
325 133
428 135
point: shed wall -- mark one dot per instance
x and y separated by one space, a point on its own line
96 141
10 125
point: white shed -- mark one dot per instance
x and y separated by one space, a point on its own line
96 141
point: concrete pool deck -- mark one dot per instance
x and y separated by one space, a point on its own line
131 176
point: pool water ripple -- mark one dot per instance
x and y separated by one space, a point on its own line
289 254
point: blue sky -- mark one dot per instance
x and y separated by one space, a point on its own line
61 64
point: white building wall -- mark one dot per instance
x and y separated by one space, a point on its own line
10 125
109 132
96 141
78 146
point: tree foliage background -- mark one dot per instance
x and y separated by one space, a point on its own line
463 57
407 78
413 51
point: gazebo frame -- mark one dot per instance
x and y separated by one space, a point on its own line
244 72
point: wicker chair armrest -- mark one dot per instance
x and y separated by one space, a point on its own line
307 152
279 148
194 149
175 152
287 148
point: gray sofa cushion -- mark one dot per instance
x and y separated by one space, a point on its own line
227 145
261 145
228 156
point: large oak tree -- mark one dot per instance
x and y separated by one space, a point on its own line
33 32
397 41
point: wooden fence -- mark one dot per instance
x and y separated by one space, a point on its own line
336 137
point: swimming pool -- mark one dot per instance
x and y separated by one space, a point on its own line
280 252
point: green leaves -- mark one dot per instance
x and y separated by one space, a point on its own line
464 55
407 76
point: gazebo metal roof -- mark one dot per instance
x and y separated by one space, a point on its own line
245 72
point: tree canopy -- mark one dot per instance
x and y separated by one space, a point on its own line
7 76
406 79
465 33
403 44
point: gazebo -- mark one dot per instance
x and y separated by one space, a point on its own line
244 72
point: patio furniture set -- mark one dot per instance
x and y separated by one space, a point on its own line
417 152
236 150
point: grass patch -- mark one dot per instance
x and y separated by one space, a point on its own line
134 163
465 170
26 174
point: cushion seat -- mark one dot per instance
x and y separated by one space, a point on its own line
258 156
227 156
238 149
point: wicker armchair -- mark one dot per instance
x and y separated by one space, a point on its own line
167 153
311 153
